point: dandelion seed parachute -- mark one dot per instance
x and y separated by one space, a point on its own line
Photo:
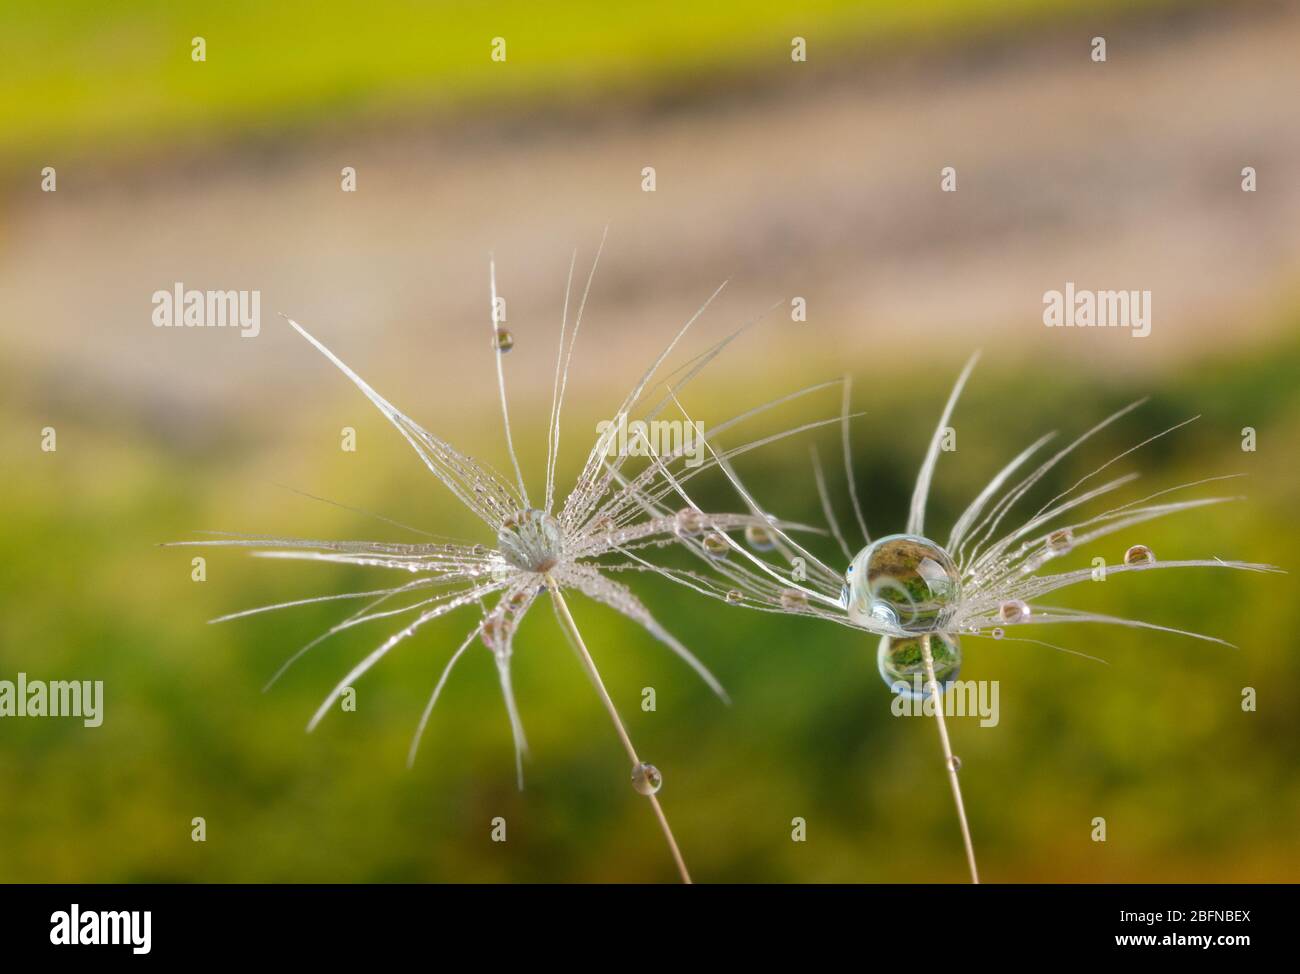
917 595
595 533
980 580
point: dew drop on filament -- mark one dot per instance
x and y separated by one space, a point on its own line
716 546
1013 611
901 662
1060 541
689 521
1139 554
646 779
792 600
759 537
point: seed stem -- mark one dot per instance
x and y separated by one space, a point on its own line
937 697
580 648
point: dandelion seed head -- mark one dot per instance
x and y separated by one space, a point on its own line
533 542
573 543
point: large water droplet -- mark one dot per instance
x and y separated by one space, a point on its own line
503 341
759 537
646 779
1139 554
954 763
906 581
902 664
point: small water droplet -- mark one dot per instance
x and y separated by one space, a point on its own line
997 634
1013 611
603 524
1060 541
955 763
646 779
689 521
503 341
792 600
479 549
759 537
1139 554
716 545
735 596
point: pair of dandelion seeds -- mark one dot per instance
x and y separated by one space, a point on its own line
917 598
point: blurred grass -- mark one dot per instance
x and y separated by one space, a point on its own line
80 74
1191 787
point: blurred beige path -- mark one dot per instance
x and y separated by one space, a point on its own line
1122 175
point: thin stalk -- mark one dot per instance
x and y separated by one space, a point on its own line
580 648
949 761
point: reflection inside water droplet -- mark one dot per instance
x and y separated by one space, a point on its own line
793 600
902 663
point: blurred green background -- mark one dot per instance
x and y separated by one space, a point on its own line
817 179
